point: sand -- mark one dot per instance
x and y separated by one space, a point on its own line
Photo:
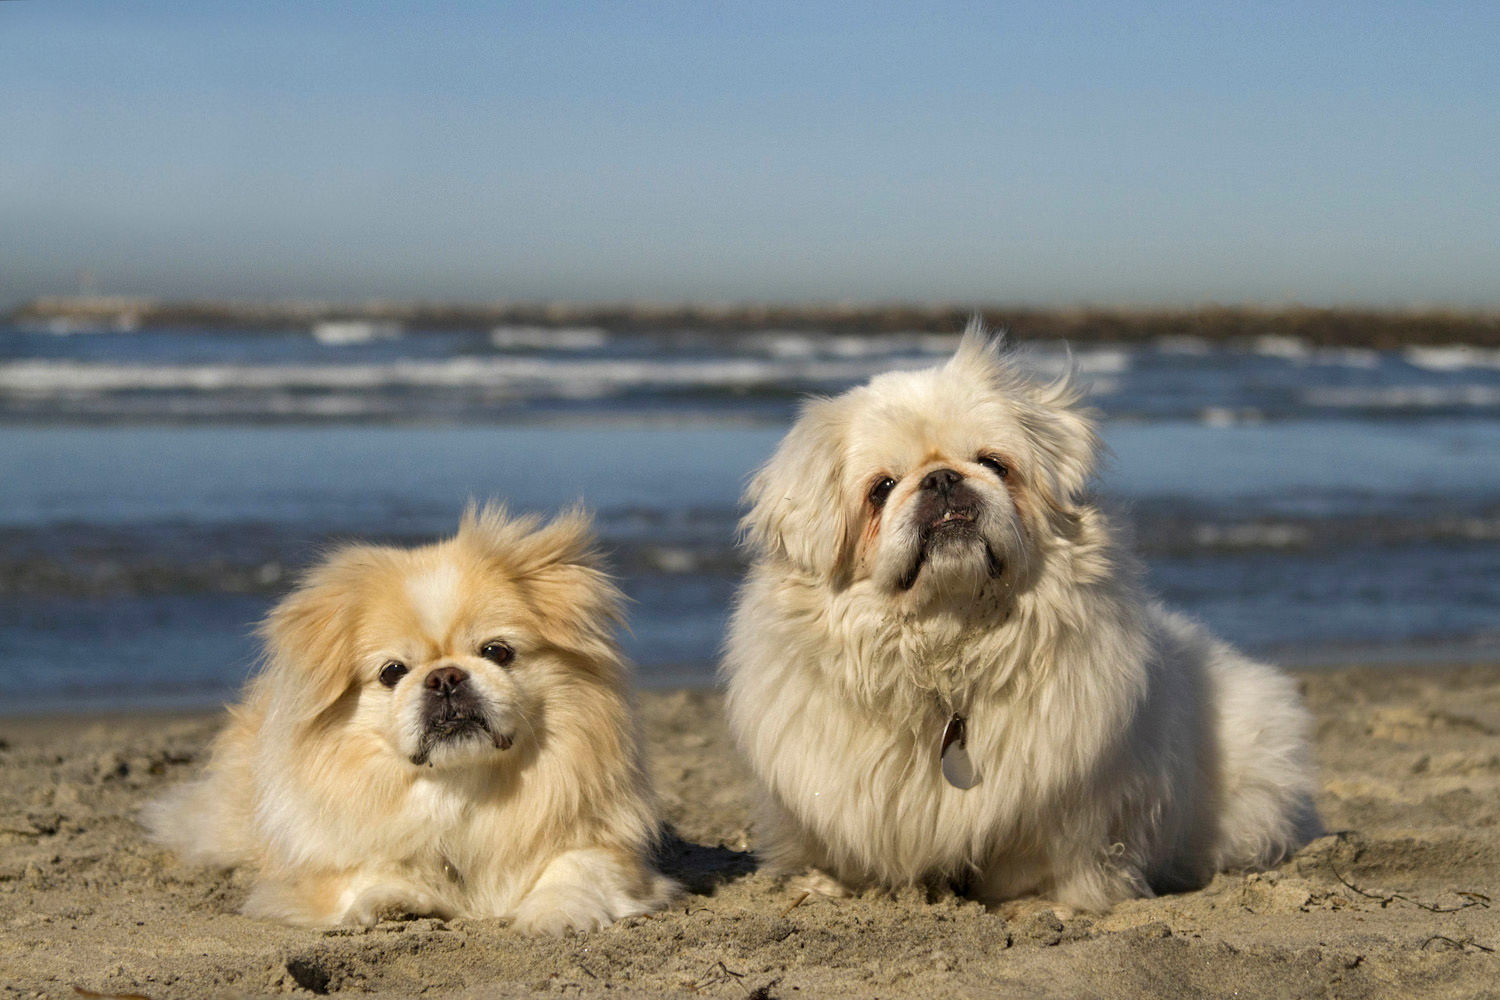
1396 902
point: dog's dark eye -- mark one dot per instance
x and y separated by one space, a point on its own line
881 491
996 466
392 672
497 652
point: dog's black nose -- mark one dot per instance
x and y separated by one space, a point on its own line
445 680
941 480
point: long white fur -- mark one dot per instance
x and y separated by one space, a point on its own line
313 785
1122 750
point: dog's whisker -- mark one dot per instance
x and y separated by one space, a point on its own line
526 721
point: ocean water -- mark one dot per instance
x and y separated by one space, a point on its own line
160 489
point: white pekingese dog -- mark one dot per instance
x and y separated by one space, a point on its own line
943 671
441 730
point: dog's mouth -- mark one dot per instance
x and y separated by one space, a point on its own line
954 525
448 725
959 520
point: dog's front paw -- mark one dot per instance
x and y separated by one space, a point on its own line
559 909
391 902
588 889
557 913
1030 906
820 883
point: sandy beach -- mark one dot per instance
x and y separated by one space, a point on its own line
1401 899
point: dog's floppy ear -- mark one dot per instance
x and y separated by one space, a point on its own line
309 637
1063 438
1061 432
797 506
558 568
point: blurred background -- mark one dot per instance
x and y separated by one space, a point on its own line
282 274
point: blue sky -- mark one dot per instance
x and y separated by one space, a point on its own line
1057 153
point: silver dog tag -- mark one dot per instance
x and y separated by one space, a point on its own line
958 770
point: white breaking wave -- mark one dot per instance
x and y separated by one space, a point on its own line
524 376
1276 346
919 349
1223 416
1300 352
671 559
339 332
1251 536
545 338
1451 359
63 326
927 349
790 344
1398 397
1089 361
1477 529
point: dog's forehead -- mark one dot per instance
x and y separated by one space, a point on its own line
436 594
441 600
916 416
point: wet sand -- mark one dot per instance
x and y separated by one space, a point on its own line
1402 899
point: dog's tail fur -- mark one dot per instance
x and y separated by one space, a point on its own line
1266 776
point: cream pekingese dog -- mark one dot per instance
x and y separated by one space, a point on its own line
441 730
943 671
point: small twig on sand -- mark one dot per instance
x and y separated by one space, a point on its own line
1469 898
717 973
795 903
1465 943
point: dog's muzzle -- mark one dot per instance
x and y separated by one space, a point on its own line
453 712
947 506
947 511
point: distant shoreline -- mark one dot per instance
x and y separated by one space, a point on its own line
1337 327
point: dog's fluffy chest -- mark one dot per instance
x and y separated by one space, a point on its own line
457 848
846 706
888 788
905 666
